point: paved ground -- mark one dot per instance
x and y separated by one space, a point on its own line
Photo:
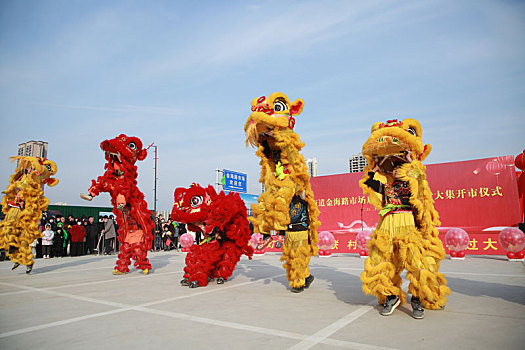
75 303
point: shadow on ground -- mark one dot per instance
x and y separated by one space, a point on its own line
508 292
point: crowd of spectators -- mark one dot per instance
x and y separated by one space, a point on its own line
70 236
75 236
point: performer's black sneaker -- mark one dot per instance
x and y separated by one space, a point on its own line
308 280
297 290
417 309
391 302
185 282
15 266
29 268
220 280
194 284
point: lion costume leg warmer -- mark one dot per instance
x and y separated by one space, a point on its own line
230 257
296 256
140 255
124 258
201 262
397 245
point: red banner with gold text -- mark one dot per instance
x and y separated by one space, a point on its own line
479 196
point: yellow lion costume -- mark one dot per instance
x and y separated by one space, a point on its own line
22 205
406 235
288 204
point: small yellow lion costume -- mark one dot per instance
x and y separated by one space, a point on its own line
23 204
287 184
406 235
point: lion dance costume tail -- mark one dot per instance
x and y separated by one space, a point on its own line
406 236
22 205
288 204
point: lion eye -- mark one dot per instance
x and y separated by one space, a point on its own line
196 201
132 146
412 131
280 106
48 167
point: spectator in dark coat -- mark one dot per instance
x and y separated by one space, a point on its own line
91 235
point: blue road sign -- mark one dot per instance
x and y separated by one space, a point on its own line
234 181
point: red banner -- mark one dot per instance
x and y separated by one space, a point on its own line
479 196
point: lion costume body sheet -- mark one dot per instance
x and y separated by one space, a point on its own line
406 236
129 205
287 205
22 205
223 220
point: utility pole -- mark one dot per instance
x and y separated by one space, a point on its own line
155 185
217 183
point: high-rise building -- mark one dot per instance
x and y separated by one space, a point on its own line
357 163
33 148
311 165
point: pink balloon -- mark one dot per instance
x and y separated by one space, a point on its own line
512 239
362 239
326 240
256 238
186 240
457 239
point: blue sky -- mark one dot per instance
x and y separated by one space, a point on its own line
182 74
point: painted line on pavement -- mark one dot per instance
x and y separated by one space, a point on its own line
256 329
324 333
120 306
119 278
58 323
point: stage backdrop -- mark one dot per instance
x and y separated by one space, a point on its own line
480 196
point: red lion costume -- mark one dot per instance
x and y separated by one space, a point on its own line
223 220
129 206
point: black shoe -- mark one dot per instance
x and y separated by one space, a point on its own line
297 290
308 280
417 309
15 266
194 284
185 282
391 302
220 280
29 269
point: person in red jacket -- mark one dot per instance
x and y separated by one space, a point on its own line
77 232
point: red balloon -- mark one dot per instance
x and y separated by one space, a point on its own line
461 254
457 239
511 255
453 253
512 239
519 162
520 255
